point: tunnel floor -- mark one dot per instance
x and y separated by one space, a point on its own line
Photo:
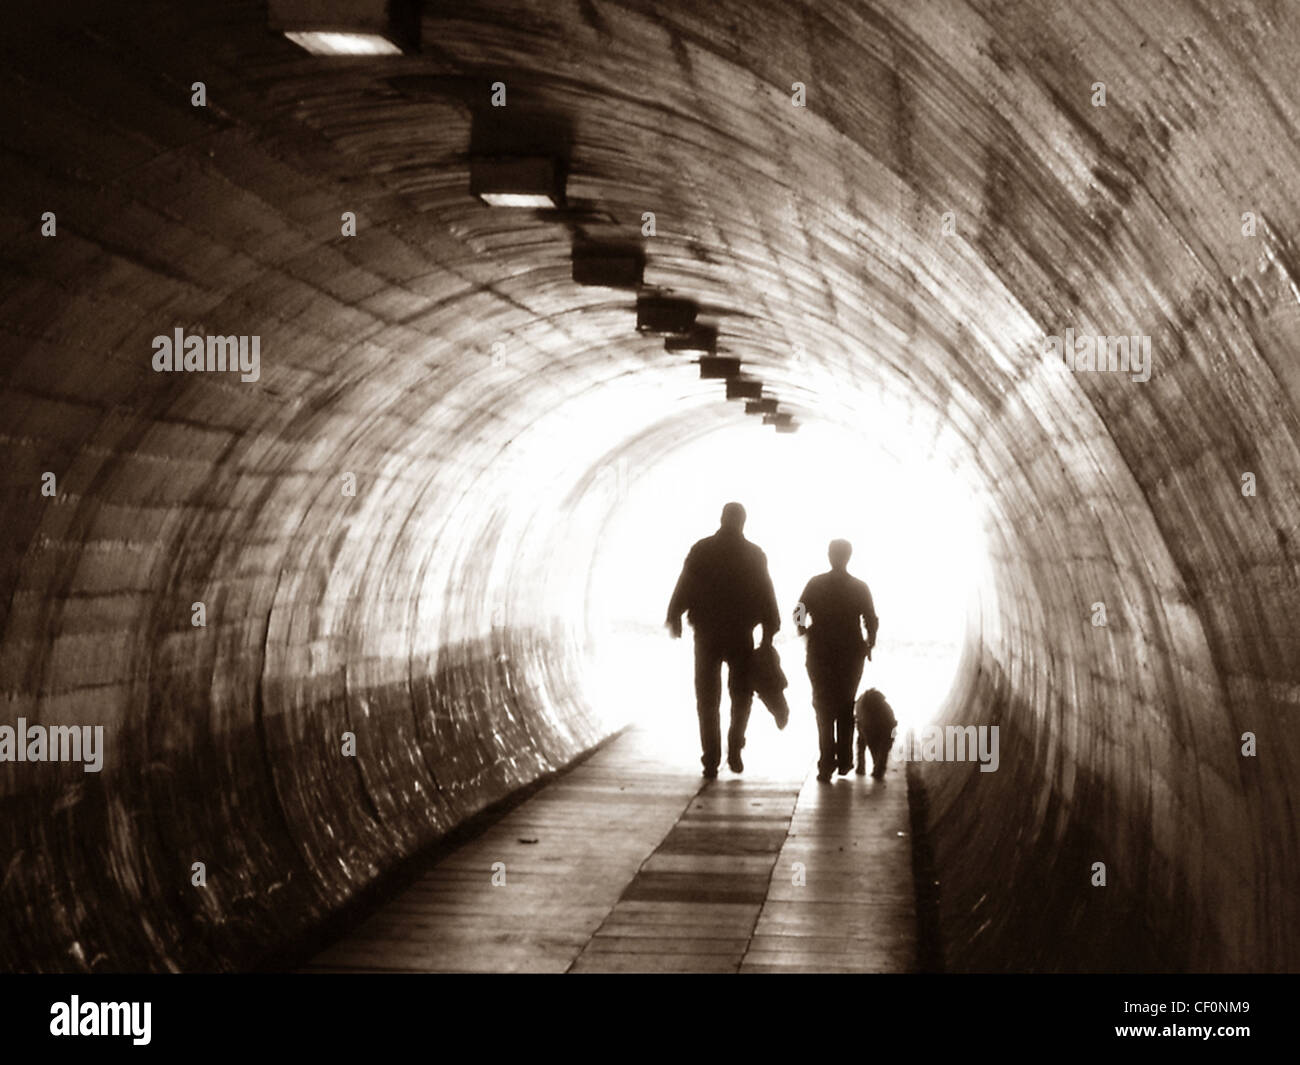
631 864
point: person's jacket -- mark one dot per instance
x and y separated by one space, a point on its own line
725 588
834 606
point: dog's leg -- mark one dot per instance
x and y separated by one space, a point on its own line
879 755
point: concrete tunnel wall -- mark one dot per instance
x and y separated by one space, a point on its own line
438 612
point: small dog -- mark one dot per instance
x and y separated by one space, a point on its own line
876 726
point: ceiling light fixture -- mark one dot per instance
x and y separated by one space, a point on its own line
664 314
744 388
703 339
608 265
718 367
517 181
348 27
324 43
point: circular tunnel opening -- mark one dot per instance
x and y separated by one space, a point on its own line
918 543
445 518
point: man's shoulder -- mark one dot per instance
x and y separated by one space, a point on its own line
719 542
815 584
704 544
710 551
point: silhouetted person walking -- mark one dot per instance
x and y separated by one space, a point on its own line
725 590
831 611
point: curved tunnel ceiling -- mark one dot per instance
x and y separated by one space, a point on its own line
444 354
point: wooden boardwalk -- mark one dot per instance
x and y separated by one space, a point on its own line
632 862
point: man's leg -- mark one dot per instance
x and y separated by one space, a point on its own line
708 696
846 693
825 739
844 735
742 699
823 707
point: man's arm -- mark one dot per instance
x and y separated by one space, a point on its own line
801 610
869 616
770 617
681 599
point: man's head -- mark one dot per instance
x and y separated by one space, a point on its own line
839 552
733 518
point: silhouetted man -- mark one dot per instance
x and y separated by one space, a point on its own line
725 590
831 611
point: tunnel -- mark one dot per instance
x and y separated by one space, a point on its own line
381 534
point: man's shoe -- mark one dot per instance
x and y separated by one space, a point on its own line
845 769
734 763
862 770
711 774
879 774
823 778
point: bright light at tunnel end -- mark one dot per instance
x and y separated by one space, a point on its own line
918 543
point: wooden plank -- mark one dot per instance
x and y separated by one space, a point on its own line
841 897
644 868
593 829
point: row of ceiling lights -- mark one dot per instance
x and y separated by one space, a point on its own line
391 27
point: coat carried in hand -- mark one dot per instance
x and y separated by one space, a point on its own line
770 683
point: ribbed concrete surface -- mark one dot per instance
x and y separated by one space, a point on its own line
438 613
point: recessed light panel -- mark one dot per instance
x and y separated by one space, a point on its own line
608 266
348 27
664 314
512 181
718 367
325 43
536 200
744 388
702 339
